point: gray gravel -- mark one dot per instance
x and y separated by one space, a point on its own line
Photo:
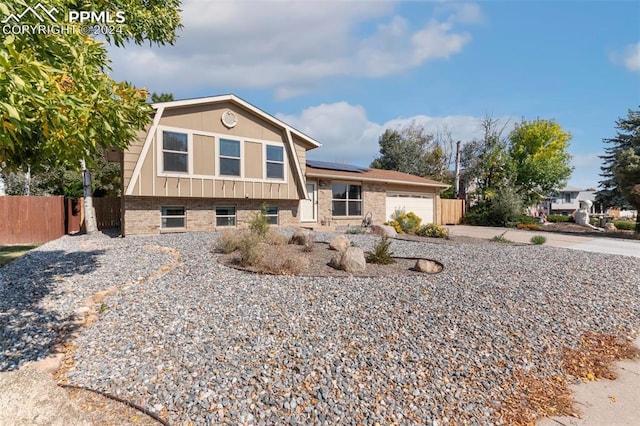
212 345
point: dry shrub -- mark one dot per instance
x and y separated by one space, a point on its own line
252 250
595 355
229 241
528 226
275 238
535 397
288 265
309 243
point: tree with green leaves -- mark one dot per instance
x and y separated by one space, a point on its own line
58 104
486 163
414 151
161 97
621 168
539 152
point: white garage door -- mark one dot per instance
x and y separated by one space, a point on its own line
420 204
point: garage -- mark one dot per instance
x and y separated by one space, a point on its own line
420 204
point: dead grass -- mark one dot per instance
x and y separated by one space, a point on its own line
595 355
537 397
534 398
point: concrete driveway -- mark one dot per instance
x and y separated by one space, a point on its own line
575 242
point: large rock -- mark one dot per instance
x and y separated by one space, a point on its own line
340 243
302 237
428 266
31 397
384 231
350 260
609 227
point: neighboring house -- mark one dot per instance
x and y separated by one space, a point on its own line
211 163
567 201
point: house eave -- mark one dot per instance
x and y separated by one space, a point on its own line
367 179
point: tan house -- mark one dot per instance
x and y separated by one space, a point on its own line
210 163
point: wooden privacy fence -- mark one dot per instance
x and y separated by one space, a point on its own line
451 211
31 220
35 220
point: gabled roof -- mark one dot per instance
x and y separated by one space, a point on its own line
373 175
242 103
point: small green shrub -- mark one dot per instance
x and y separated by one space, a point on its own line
625 226
258 223
433 230
500 238
538 240
355 231
558 218
525 219
380 254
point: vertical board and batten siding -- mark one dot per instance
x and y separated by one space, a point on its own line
206 118
31 219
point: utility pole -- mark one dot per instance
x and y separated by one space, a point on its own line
457 178
90 225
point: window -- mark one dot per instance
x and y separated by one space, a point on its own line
347 200
272 215
175 152
229 157
173 217
567 197
275 162
225 216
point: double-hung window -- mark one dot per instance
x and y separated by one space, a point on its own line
175 154
173 217
225 216
275 162
272 215
347 200
229 157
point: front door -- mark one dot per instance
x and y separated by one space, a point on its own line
309 207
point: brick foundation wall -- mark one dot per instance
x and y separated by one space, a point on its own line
142 215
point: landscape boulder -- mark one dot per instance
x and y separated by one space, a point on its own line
428 266
350 260
384 231
31 397
609 227
340 243
302 237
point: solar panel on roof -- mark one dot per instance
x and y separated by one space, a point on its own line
335 166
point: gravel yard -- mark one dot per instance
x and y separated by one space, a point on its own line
214 345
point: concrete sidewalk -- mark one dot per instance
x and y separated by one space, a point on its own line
575 242
606 402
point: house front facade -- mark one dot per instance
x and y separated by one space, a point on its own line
567 201
211 163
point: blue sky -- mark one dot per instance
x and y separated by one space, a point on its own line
344 71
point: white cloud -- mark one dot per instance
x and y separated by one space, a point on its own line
349 136
290 46
629 57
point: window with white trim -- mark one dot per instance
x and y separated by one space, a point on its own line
229 157
173 217
225 216
346 200
272 215
275 162
175 152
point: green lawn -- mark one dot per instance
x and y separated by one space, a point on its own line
9 253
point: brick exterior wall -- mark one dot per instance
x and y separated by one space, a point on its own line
373 200
142 215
